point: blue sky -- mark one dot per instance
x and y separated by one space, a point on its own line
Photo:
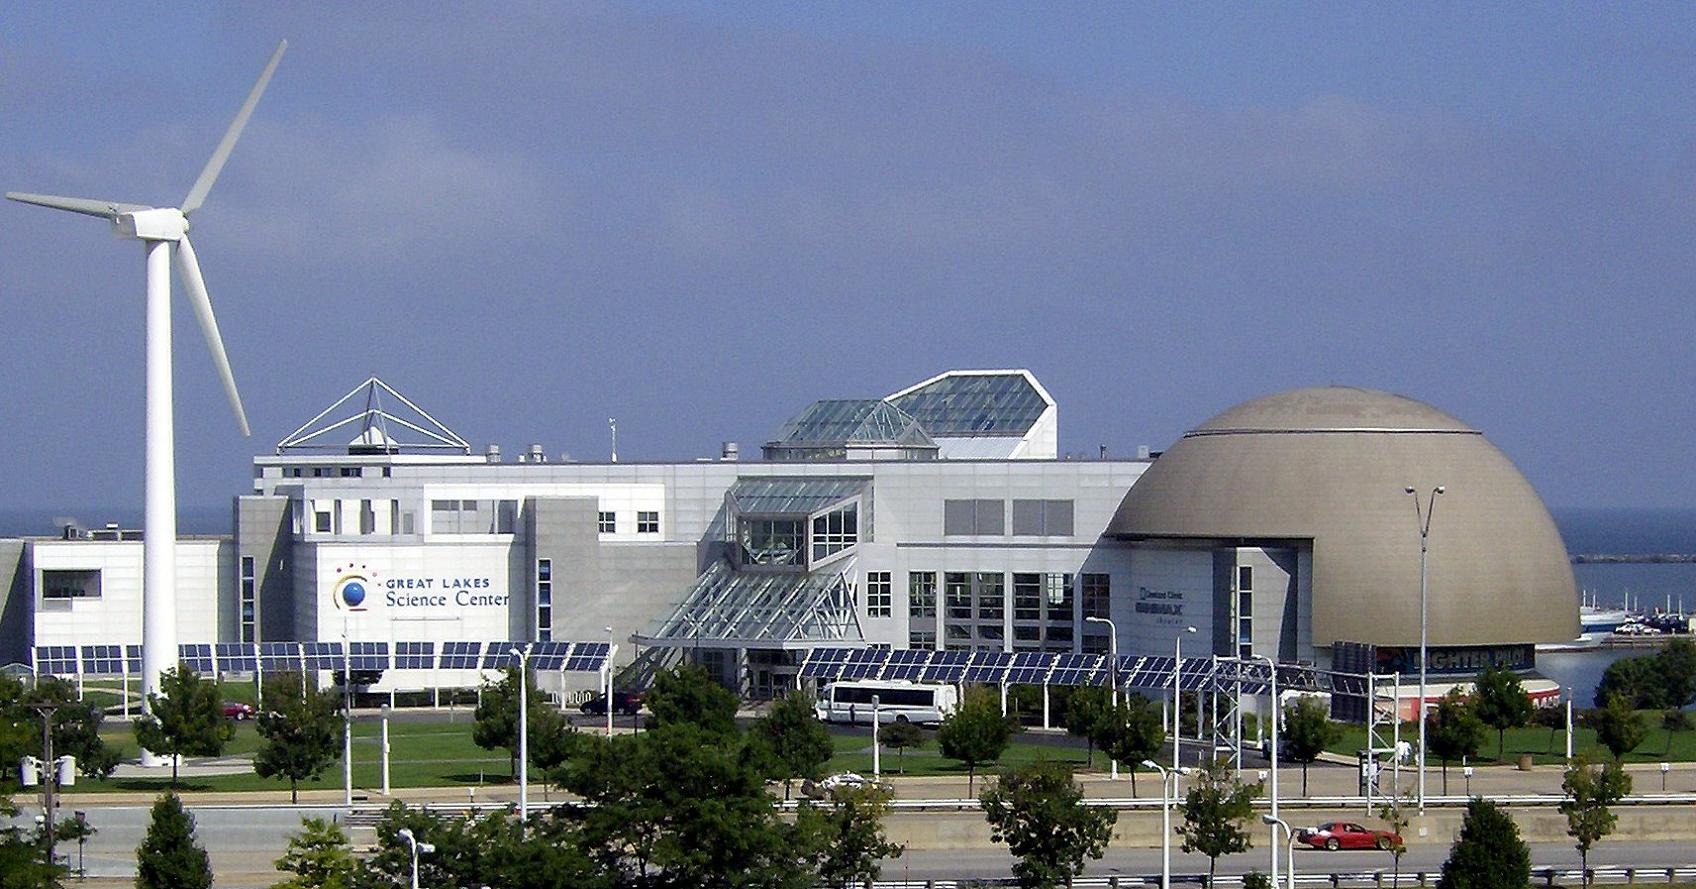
699 218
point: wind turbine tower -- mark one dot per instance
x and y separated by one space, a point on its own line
164 231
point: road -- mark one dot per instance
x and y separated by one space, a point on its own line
244 843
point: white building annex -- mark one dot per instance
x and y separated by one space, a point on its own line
938 517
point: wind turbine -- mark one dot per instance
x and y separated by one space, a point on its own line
160 229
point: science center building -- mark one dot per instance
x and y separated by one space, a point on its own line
939 517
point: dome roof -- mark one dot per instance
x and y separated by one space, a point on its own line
1331 465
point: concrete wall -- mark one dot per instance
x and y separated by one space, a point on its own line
263 526
16 627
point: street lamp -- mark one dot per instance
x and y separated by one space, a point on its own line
1178 691
523 656
1112 673
1422 519
1289 848
347 718
1277 717
877 756
610 647
1166 797
405 833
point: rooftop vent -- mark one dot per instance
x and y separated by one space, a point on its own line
492 453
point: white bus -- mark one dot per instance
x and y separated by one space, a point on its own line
850 701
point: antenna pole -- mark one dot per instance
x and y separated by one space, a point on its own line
612 422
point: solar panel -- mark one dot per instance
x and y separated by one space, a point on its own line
235 657
102 660
460 655
1151 673
196 656
825 663
1076 669
906 664
322 655
947 666
587 657
1030 668
56 660
549 655
866 663
498 655
1197 673
368 655
279 657
132 659
415 655
990 667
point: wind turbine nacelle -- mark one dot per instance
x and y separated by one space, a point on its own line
163 224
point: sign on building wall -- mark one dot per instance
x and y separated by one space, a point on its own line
419 593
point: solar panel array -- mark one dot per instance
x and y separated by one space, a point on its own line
56 660
588 657
368 655
102 660
549 656
196 656
415 655
1043 668
321 655
499 656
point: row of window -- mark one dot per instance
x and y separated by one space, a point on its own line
647 522
545 600
328 471
982 595
249 596
987 518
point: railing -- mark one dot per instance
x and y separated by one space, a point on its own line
1378 879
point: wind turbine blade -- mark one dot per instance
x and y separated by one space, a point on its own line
85 206
197 194
195 285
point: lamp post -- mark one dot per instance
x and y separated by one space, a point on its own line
523 656
1569 725
610 648
1112 675
1422 519
1277 717
385 742
1289 847
1178 692
877 757
347 720
1167 776
416 848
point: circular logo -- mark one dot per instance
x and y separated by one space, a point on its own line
350 592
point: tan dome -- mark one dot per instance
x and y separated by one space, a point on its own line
1331 465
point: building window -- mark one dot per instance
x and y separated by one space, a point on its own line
925 639
973 518
63 584
1057 589
957 588
321 521
544 600
648 522
835 531
1094 644
767 541
921 596
1027 597
878 597
1245 578
607 523
367 518
992 599
1096 594
1042 518
249 589
352 472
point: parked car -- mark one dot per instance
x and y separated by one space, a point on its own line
624 703
238 711
1336 835
825 787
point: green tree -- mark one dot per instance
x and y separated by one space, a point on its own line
319 857
76 727
1083 711
1453 731
1591 794
1394 814
1637 679
1501 702
1308 731
689 694
1674 721
299 734
797 743
1488 854
1676 666
1216 810
1551 718
169 856
975 733
1618 726
496 726
492 850
186 718
900 736
844 837
1038 811
1130 733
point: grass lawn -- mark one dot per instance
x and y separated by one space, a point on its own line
1548 747
854 754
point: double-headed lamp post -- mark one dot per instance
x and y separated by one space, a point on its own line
1289 847
416 848
1112 672
523 655
1277 717
1422 520
1167 794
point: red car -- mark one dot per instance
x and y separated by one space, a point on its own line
1336 835
238 711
